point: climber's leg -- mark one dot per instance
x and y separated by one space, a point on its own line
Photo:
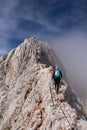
55 81
58 85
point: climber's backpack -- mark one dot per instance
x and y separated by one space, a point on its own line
57 73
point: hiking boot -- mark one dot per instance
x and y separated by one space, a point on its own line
56 92
55 88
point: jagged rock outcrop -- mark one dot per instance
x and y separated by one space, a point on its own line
28 99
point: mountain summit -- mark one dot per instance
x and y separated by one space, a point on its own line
28 100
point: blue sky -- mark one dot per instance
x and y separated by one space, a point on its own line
44 19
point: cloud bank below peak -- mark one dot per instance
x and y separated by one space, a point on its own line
72 52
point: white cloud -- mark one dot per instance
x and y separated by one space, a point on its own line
4 47
72 52
8 23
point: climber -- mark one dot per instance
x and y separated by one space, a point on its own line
53 70
56 75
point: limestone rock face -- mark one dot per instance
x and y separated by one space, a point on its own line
28 100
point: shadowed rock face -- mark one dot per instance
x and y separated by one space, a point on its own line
27 90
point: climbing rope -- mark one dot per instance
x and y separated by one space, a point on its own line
65 116
61 110
51 96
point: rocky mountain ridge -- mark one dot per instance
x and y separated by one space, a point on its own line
28 99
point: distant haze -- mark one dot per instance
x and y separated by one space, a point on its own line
72 52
